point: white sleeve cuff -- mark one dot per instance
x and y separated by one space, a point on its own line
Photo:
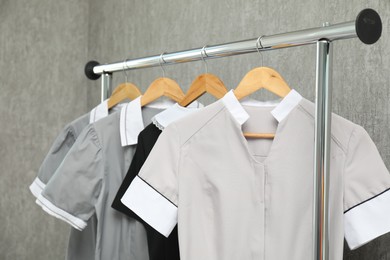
367 220
37 187
151 206
53 210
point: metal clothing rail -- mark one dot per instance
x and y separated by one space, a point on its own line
367 27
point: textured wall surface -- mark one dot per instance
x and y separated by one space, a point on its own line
45 44
43 48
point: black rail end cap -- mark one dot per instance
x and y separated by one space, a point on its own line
88 70
368 26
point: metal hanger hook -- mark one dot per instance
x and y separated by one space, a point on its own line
258 43
203 50
161 62
124 70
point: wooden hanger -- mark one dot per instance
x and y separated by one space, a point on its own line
204 83
123 91
162 87
258 78
262 77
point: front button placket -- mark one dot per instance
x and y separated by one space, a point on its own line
266 205
260 191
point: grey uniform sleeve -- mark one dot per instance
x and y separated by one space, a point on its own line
53 159
72 193
366 191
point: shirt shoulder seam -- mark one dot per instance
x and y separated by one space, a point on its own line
202 126
348 148
95 136
334 138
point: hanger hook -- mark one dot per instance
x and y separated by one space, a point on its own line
161 62
124 70
205 55
258 43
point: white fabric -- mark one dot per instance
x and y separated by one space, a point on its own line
174 113
286 105
233 105
256 103
281 110
50 208
37 187
131 122
367 221
161 103
99 112
151 206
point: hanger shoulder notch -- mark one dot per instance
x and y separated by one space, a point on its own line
262 77
122 92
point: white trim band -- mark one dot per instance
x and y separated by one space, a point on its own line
151 206
367 221
53 210
287 104
37 187
99 112
234 107
131 122
173 113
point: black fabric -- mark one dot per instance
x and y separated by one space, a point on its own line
160 247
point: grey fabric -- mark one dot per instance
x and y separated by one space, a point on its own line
241 198
81 244
85 184
61 147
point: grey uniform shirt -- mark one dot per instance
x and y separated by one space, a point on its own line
237 198
87 179
81 244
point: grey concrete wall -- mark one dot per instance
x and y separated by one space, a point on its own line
129 29
43 49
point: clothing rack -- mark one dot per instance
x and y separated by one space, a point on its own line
367 27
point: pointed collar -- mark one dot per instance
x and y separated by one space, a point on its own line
282 109
99 112
131 122
173 113
287 104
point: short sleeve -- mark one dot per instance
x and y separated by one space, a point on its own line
367 194
53 159
153 194
73 191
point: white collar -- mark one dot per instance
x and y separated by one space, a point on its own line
161 103
131 122
173 113
99 112
287 104
282 109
